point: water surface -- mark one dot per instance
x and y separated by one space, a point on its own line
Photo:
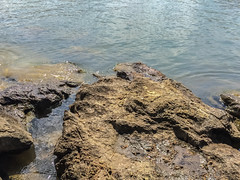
196 42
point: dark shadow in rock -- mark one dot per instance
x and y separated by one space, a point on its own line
13 163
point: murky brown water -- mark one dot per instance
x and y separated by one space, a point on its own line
12 70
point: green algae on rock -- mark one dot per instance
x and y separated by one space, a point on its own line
143 125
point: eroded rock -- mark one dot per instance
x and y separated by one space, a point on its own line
232 102
13 137
224 160
30 90
142 125
21 99
19 104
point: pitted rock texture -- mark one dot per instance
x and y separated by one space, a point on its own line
13 136
24 97
232 102
143 125
18 100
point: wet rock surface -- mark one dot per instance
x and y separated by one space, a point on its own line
21 99
29 92
19 104
143 125
232 102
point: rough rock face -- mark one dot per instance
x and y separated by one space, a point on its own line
17 102
13 137
142 125
232 102
27 92
36 98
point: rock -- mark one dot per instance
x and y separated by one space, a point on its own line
131 71
29 176
143 125
38 73
13 137
29 91
224 159
232 101
36 98
20 103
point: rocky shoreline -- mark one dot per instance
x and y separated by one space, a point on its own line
138 124
23 100
21 103
143 125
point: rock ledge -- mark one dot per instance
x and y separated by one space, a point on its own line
143 125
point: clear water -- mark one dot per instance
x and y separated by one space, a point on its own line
196 42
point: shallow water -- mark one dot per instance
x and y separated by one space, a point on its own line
38 162
193 41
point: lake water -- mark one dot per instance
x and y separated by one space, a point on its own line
196 42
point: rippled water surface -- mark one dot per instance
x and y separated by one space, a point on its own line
196 42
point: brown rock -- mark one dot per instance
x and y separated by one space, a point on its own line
13 137
140 125
225 159
232 101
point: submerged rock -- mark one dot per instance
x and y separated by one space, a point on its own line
143 125
40 73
